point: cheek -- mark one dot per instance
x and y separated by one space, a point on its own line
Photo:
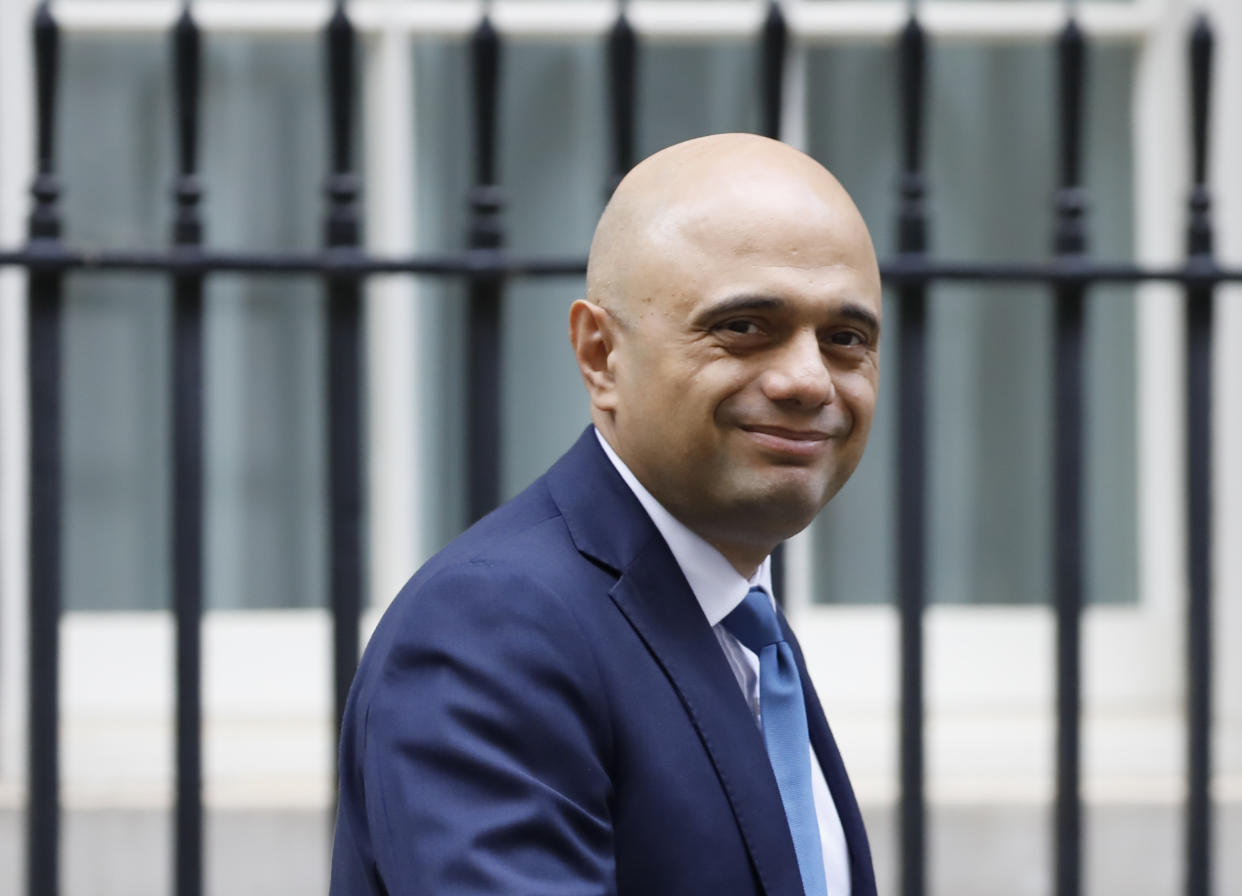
637 379
858 392
860 412
729 381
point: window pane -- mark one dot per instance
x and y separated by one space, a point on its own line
115 165
991 154
990 422
262 140
264 160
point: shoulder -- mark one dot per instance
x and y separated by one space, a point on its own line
507 560
490 639
476 688
508 594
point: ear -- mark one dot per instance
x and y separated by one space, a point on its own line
592 332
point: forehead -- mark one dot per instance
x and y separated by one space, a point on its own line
773 214
799 248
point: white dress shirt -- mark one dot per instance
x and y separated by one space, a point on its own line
719 589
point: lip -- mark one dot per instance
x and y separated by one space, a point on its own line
793 442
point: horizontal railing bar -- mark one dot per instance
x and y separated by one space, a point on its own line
810 21
490 262
478 262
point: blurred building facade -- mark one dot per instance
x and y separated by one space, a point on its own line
991 154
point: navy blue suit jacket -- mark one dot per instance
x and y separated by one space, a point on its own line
544 710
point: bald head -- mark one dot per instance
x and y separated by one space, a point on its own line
729 338
717 183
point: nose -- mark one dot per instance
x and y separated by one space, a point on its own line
798 374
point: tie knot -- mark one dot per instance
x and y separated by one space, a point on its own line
754 623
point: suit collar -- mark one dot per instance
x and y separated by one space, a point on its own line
605 520
654 596
717 586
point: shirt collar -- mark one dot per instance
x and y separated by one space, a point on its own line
718 587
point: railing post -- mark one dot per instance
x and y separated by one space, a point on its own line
187 468
1199 479
773 43
46 524
483 343
344 313
912 457
1070 245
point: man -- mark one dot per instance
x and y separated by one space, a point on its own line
589 691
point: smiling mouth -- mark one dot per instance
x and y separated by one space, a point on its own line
792 442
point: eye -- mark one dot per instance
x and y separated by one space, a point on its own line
847 338
741 326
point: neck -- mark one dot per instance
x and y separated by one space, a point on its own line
746 559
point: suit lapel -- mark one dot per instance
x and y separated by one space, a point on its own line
655 598
862 873
609 525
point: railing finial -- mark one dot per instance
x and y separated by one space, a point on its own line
912 216
775 41
622 78
1071 199
187 77
342 184
45 218
1202 41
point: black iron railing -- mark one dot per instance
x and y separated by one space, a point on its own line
343 266
1069 246
187 469
912 459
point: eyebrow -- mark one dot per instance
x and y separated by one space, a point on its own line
865 316
739 304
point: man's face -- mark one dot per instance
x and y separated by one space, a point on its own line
747 361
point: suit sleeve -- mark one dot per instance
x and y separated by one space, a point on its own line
484 745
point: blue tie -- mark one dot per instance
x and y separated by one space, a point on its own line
784 728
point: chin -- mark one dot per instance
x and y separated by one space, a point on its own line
800 486
784 509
